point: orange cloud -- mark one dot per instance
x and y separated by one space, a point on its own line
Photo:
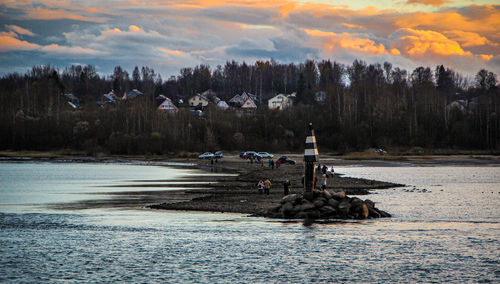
486 57
332 41
47 14
351 26
68 50
19 30
134 28
112 31
175 52
420 43
435 3
481 19
8 43
468 38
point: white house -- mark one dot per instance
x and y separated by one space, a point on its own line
279 101
222 105
249 104
198 100
237 101
167 106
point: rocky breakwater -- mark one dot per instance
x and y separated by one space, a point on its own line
325 205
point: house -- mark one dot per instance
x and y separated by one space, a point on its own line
249 104
198 101
460 105
72 100
222 105
279 101
320 97
168 106
246 95
237 101
209 94
109 98
132 94
159 100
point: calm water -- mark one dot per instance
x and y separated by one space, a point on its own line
450 233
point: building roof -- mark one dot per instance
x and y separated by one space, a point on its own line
132 94
223 105
167 105
201 96
249 104
71 97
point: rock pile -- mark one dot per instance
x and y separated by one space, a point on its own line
325 205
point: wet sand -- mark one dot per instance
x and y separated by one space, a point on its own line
238 194
230 184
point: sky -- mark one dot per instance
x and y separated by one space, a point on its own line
171 34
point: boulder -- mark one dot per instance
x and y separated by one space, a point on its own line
334 203
384 214
356 202
318 202
338 195
373 213
286 209
370 203
327 211
327 194
363 211
289 198
306 206
344 208
309 195
313 214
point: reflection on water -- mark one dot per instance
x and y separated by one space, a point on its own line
442 236
35 183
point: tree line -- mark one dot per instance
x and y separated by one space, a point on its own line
366 105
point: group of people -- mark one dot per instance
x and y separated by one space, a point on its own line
265 186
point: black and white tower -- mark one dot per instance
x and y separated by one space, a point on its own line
310 157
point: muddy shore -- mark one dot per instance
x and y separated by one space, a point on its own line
238 193
230 184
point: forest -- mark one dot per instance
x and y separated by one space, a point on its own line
366 106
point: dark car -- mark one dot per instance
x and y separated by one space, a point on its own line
285 160
218 155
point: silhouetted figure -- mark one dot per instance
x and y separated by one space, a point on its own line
286 187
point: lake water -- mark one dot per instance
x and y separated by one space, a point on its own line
448 232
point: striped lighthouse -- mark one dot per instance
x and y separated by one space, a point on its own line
310 157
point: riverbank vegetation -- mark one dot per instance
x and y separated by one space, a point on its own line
365 106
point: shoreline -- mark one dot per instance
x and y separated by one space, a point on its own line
233 193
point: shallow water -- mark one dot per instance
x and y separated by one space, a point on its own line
450 234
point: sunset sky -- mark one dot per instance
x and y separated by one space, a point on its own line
168 35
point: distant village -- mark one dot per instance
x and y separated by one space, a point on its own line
199 103
246 102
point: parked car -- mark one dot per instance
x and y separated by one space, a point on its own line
242 155
265 155
218 155
251 154
285 160
206 155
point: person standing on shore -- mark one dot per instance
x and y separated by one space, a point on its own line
323 181
267 186
260 186
286 187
